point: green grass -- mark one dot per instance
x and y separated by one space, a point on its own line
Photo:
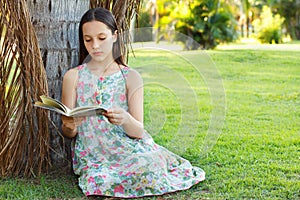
43 187
257 156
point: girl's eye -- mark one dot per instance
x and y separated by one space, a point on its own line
87 40
102 38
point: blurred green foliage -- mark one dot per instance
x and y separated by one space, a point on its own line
143 32
269 26
204 22
209 22
289 9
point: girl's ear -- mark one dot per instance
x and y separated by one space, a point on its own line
115 35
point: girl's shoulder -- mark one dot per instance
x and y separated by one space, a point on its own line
134 78
134 73
72 73
131 73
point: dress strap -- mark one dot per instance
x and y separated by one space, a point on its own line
124 72
80 67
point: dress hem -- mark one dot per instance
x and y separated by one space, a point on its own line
148 195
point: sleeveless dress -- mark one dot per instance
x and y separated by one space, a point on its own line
108 162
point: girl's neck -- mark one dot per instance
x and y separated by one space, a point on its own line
102 68
94 65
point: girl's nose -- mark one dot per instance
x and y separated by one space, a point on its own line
96 44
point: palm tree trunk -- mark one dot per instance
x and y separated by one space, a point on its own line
56 24
246 7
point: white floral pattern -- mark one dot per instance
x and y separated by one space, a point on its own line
110 163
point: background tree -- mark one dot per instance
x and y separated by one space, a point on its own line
269 27
248 11
209 22
168 12
289 10
215 21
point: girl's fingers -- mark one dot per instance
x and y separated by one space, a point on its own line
115 115
78 120
115 110
67 119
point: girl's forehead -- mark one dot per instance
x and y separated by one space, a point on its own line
95 28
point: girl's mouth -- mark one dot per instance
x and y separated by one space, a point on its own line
98 53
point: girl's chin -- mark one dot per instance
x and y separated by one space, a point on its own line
101 58
98 58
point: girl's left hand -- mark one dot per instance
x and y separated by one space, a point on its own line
117 116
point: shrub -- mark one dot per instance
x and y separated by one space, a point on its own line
269 27
208 23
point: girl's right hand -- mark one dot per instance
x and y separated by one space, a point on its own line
70 124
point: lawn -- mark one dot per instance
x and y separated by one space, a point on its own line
257 153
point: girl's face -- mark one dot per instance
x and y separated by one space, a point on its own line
98 40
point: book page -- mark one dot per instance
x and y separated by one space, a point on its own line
87 111
49 107
54 103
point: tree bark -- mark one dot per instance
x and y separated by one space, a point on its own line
56 24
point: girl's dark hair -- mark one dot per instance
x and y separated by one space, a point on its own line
107 18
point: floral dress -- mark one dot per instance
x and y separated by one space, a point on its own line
110 163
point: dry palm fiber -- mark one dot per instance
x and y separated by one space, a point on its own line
24 137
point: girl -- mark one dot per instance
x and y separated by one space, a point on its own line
113 154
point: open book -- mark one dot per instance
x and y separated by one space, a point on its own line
55 105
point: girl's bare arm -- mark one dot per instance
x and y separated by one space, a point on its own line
68 97
132 121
